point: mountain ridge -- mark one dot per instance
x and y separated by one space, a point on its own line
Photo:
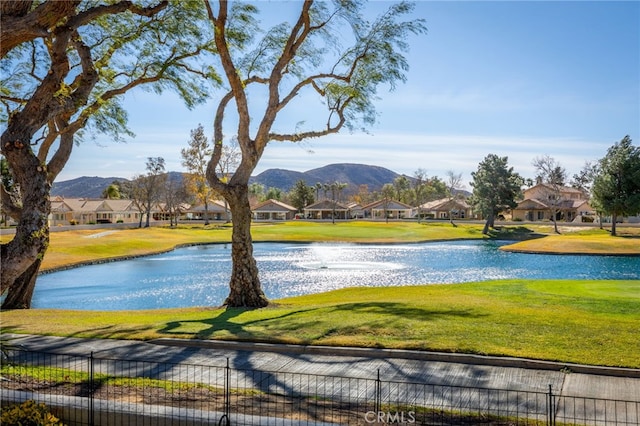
353 174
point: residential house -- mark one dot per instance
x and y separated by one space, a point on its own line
273 210
164 212
355 211
216 210
68 211
387 209
541 200
444 208
326 209
61 213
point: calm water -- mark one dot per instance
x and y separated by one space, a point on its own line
198 276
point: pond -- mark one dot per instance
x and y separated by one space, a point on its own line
199 275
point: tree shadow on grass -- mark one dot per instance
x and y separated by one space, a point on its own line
388 317
269 375
111 332
404 311
513 233
224 322
630 236
293 326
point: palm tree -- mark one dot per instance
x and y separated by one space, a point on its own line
112 192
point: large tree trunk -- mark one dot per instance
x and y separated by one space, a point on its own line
21 257
244 286
614 219
554 215
21 291
489 223
206 213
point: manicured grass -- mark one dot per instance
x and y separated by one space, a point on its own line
76 247
364 231
589 322
584 241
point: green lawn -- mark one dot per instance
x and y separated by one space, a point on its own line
584 241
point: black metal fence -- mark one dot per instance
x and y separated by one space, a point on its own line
106 391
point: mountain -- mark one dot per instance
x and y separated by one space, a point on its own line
278 178
352 174
82 187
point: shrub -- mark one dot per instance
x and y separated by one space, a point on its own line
29 413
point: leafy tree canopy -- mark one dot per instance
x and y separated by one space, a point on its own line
495 188
616 187
329 54
64 65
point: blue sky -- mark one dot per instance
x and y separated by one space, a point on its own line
512 78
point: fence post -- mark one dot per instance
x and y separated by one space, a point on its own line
225 419
378 401
91 389
551 410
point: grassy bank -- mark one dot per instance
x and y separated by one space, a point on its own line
590 322
583 241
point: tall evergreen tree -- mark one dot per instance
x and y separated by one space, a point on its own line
616 187
301 195
495 188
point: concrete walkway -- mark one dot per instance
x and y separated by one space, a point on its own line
567 381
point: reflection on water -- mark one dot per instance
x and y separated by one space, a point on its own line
198 276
